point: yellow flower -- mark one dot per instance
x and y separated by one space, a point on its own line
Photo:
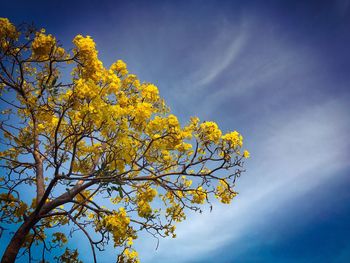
86 52
209 132
43 45
224 193
41 126
120 67
7 31
199 195
234 139
130 241
246 154
150 92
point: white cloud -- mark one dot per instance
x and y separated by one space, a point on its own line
221 60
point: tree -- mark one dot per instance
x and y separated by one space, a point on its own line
98 149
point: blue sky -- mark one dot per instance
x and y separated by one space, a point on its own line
278 72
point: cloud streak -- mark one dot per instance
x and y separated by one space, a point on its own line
221 61
288 160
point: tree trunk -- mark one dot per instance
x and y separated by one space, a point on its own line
19 237
17 241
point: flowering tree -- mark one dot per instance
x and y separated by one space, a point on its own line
97 151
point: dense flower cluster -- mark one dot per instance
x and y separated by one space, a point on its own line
129 256
234 139
8 32
144 196
7 29
210 132
120 68
87 54
43 45
118 225
150 92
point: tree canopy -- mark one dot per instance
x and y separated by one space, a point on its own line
94 149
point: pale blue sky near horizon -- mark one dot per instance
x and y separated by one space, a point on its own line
276 71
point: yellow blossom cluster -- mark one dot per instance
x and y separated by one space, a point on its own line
144 196
7 32
186 183
169 136
199 195
129 81
233 139
246 154
86 52
224 192
118 224
43 45
129 256
142 112
7 29
112 82
86 88
160 125
209 132
175 212
150 92
120 67
46 123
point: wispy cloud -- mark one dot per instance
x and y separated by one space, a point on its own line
288 160
221 60
241 62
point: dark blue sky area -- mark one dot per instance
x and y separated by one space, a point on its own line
277 71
